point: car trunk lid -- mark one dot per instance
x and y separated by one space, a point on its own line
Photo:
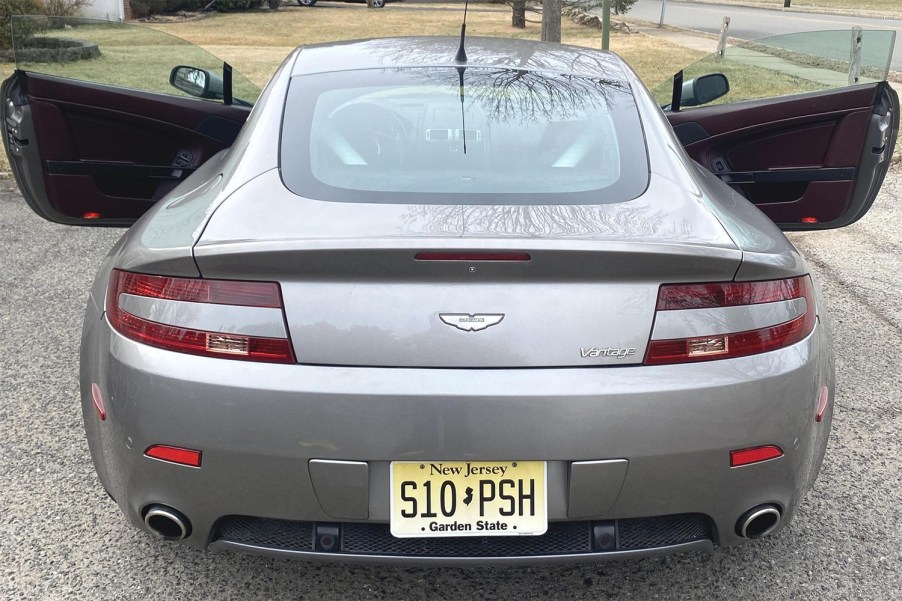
362 285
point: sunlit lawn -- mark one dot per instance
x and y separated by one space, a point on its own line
255 43
272 36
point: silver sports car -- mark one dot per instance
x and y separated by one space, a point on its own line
420 307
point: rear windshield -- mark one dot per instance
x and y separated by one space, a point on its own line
449 135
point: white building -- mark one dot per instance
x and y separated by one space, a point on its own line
108 10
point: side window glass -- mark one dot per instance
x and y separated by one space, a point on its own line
795 63
117 54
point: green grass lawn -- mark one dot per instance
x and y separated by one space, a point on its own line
255 43
136 57
272 35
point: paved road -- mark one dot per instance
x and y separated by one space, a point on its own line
753 23
61 538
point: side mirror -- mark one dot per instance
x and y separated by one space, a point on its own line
704 89
196 82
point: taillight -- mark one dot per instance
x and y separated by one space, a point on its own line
703 322
187 315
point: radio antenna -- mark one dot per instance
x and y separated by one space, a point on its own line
463 119
461 56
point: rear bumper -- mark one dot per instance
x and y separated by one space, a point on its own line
259 425
565 542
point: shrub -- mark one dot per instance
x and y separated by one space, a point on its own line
146 8
618 7
8 8
232 5
622 6
63 8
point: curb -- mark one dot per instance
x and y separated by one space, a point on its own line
841 12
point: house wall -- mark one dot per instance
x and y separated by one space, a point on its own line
108 10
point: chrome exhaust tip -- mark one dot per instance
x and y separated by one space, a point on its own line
167 523
758 521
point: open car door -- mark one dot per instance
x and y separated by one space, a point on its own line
807 129
95 133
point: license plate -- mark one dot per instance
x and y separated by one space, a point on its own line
468 498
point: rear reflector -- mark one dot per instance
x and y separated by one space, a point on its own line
226 345
97 401
755 455
444 256
178 455
822 401
727 345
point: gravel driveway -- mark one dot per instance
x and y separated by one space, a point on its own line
62 538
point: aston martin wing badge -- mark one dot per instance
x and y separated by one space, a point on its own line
471 322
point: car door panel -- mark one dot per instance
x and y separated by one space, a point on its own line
94 154
810 161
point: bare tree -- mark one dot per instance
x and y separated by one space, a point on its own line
551 20
518 14
541 220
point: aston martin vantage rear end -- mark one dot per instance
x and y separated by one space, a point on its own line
427 310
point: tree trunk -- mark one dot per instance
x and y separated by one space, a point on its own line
518 16
551 21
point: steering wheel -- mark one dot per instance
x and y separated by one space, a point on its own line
377 134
